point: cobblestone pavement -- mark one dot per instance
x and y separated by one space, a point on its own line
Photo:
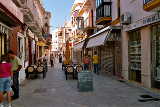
55 91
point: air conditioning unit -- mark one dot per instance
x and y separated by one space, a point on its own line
126 18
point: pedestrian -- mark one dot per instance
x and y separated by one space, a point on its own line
86 62
52 60
60 58
89 66
16 67
95 62
5 80
45 58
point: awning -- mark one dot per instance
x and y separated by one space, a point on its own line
78 46
100 37
97 40
40 43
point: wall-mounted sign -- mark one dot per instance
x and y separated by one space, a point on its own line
143 22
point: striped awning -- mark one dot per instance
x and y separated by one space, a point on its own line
78 46
106 34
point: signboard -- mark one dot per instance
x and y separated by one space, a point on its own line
85 81
143 22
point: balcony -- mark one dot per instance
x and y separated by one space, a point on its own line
103 13
12 9
19 3
151 5
31 16
27 9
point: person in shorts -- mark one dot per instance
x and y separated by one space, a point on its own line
5 80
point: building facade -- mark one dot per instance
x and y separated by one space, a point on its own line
140 41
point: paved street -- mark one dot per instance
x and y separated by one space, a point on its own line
55 91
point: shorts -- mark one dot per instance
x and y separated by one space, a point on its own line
5 84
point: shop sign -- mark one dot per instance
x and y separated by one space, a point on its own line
143 22
151 19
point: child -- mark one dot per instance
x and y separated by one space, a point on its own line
5 80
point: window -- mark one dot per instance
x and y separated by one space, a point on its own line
146 1
103 9
107 10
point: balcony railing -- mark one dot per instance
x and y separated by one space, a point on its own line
103 13
11 7
32 15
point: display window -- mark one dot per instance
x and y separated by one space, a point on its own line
156 52
134 54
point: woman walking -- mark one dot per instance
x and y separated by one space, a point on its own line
5 80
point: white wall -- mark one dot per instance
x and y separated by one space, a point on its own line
135 7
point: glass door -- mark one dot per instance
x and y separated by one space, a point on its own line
156 56
134 53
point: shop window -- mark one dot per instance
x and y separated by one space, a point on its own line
156 55
134 52
3 44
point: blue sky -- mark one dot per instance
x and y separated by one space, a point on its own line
60 10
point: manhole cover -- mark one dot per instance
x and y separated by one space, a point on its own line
40 90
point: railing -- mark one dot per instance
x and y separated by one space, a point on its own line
30 4
8 4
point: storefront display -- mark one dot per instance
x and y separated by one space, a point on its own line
107 59
134 56
156 55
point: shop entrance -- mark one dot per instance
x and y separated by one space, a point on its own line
156 56
134 54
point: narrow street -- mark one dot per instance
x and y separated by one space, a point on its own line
55 91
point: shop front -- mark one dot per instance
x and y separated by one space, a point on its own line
31 48
155 42
4 34
141 51
40 48
10 18
108 46
134 55
78 53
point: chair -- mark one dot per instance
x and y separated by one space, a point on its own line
29 70
40 70
69 70
78 68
